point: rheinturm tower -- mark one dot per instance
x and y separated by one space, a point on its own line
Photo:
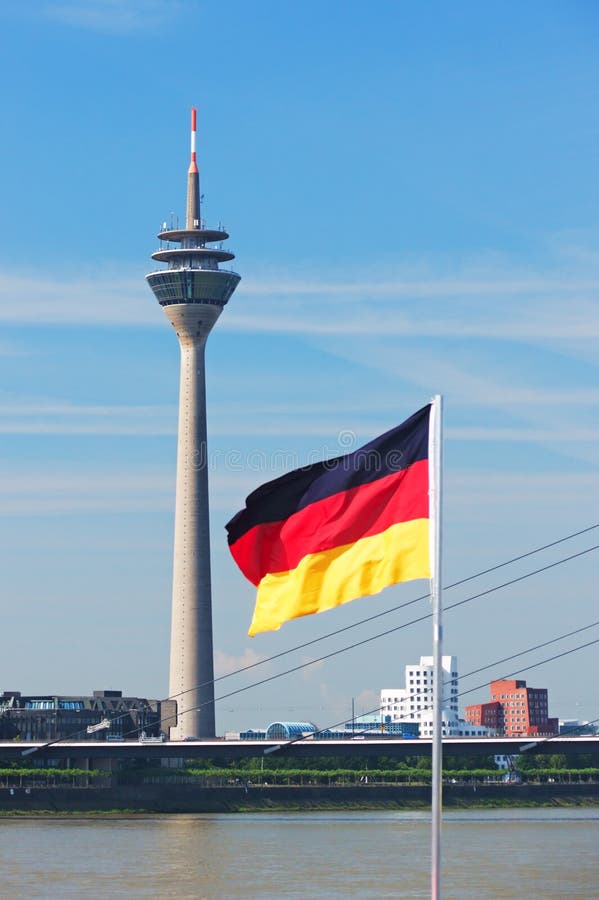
192 291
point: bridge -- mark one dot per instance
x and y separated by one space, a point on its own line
354 748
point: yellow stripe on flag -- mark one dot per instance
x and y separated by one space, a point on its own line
324 580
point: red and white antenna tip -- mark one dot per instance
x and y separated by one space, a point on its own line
193 165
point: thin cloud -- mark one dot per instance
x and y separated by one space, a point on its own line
51 492
483 493
399 327
366 701
67 429
114 16
72 409
227 663
70 419
524 434
263 424
425 288
88 301
521 321
526 309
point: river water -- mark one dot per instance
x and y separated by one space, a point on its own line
534 853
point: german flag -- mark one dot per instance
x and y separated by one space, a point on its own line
339 529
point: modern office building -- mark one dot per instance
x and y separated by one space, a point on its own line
192 291
414 702
514 710
108 715
489 715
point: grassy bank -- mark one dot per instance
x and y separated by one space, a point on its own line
165 799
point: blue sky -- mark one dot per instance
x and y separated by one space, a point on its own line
411 193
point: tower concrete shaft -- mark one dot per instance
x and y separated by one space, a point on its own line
192 291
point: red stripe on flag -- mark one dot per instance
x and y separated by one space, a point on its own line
336 521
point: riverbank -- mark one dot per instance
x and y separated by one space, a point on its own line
181 798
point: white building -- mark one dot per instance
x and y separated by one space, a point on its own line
414 702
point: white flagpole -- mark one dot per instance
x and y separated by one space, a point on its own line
435 448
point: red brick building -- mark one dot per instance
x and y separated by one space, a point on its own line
514 711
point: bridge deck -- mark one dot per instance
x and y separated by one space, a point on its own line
356 748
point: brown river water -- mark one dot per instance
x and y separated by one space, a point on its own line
527 853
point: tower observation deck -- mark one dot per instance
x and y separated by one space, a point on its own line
192 291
